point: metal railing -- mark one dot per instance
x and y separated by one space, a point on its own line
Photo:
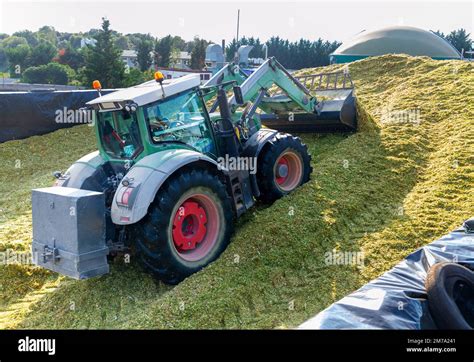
327 81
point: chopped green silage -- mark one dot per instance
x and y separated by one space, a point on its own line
386 190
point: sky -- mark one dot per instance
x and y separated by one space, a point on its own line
216 20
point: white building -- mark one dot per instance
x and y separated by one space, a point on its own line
172 73
129 57
183 61
88 41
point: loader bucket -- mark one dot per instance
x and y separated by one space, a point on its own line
336 110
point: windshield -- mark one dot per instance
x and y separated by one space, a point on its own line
119 134
180 118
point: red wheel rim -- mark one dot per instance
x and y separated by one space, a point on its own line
195 227
282 170
288 171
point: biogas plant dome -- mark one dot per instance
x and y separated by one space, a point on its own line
395 40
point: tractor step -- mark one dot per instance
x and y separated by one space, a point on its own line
240 190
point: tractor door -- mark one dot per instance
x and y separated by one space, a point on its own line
181 118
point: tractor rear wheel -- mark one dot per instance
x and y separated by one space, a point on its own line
283 165
187 226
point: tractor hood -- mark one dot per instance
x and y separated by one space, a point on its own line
146 93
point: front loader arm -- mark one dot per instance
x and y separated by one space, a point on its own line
231 72
270 73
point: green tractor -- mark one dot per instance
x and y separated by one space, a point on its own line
171 174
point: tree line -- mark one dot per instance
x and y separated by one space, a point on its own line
460 39
52 57
292 55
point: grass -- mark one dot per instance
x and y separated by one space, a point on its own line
386 190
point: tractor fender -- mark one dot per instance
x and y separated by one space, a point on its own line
84 173
141 183
253 147
255 143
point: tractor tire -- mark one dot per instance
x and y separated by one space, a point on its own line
187 226
450 290
282 166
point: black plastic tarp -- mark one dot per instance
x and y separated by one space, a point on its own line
397 299
25 114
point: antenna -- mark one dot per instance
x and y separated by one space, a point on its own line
238 23
236 55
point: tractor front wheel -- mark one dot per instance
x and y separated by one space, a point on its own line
187 227
283 165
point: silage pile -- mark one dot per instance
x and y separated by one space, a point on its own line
403 180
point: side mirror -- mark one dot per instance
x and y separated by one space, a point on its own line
239 98
57 174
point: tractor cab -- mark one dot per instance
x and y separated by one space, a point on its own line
141 120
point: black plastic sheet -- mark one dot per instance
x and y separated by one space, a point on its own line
397 299
25 114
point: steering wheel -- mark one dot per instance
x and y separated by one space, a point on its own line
119 139
160 124
176 124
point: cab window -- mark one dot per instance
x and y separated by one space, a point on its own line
180 118
119 134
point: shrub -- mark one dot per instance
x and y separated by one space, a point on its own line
51 73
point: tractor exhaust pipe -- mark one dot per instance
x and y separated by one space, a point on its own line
226 128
